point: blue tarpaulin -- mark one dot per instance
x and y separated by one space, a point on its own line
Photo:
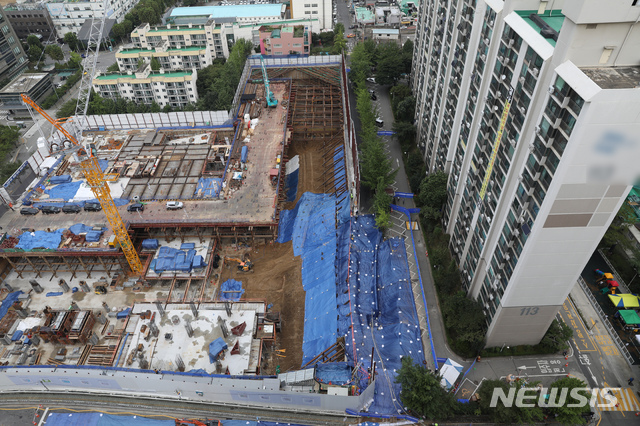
93 236
56 180
150 244
124 313
103 165
17 335
291 178
231 290
40 239
187 246
311 227
335 373
54 293
215 348
244 152
208 188
171 259
80 228
65 191
8 302
101 419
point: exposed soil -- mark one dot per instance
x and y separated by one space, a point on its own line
276 278
310 172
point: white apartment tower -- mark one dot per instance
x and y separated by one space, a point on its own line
533 108
69 15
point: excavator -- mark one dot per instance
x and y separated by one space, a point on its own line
243 265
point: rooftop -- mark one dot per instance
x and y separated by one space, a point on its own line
614 77
385 31
231 11
116 76
184 49
364 14
24 82
553 18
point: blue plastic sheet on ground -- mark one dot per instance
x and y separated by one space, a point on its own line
40 239
208 188
93 236
17 335
187 246
150 244
124 313
384 312
8 302
231 290
55 180
101 419
171 259
312 228
65 191
80 228
54 293
335 373
215 348
244 152
291 178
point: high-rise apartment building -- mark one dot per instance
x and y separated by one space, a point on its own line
13 59
533 108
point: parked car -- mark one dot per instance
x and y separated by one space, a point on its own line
29 211
352 35
371 79
71 208
174 205
373 94
92 207
50 209
136 207
379 122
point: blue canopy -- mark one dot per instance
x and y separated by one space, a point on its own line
215 348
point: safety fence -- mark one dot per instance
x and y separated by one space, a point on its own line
623 285
603 317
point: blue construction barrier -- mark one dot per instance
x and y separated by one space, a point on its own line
386 133
291 179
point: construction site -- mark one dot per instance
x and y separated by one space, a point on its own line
252 260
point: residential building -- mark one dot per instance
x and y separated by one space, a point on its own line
388 15
177 89
284 40
69 15
385 34
13 59
313 9
533 114
30 18
170 59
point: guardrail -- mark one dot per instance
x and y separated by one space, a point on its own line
623 285
603 317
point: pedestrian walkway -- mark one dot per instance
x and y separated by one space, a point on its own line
626 401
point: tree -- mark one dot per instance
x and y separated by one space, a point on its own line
382 205
406 109
565 414
55 52
147 14
72 40
119 31
433 195
34 53
128 27
188 3
113 68
33 40
616 232
389 65
406 134
511 415
75 60
360 64
339 43
422 394
398 93
155 64
407 55
465 321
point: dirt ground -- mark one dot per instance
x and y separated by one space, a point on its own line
310 173
276 278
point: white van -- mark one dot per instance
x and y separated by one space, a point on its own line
174 205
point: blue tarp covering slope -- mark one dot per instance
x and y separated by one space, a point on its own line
215 348
384 314
66 191
336 373
40 239
231 290
56 180
8 302
100 419
80 228
291 178
311 227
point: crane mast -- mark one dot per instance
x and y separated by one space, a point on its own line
271 99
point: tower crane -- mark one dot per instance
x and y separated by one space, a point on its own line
271 99
87 154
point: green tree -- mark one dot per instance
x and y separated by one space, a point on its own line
147 14
382 205
55 52
113 68
188 3
75 60
155 64
119 31
339 43
398 93
128 27
33 40
433 195
465 322
407 55
422 392
406 109
155 107
72 40
34 53
571 413
619 227
360 64
511 415
389 66
339 28
406 134
67 109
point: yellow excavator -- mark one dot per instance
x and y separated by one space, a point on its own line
243 265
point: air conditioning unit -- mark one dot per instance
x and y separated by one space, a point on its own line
535 71
501 58
511 42
551 89
538 130
522 110
487 41
483 57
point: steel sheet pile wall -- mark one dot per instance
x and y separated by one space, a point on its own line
159 120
